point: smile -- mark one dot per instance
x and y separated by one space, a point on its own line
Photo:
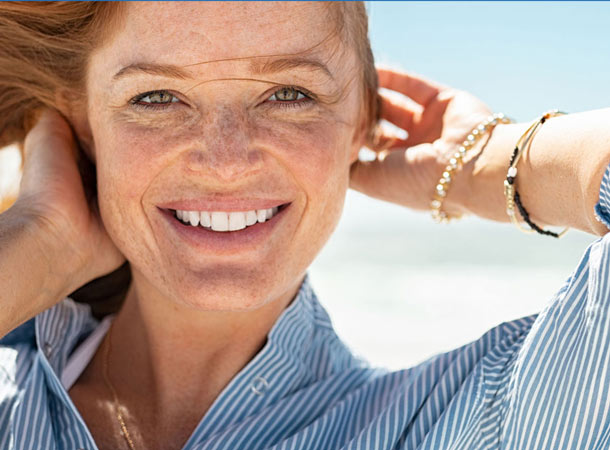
218 237
226 221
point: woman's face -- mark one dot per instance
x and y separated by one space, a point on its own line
251 110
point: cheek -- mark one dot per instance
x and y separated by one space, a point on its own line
317 156
313 155
127 161
316 153
131 156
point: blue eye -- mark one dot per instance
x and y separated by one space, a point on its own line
154 99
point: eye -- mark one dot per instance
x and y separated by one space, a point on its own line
154 99
289 96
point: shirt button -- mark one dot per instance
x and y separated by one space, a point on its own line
259 385
47 348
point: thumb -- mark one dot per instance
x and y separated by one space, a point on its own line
398 176
382 177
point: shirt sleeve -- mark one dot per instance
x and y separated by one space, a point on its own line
537 383
558 390
602 208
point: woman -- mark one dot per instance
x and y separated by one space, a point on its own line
224 138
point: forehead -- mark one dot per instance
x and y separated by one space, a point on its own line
183 33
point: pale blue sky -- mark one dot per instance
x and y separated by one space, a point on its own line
521 58
422 287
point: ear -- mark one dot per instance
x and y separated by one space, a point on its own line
74 109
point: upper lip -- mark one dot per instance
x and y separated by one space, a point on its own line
225 204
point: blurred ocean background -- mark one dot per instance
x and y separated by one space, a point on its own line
400 288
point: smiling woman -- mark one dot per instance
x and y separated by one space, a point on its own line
221 161
207 148
192 80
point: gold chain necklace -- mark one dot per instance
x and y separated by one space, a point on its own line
114 394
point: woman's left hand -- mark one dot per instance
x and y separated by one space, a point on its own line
407 171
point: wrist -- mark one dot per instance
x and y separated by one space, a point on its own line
457 201
480 189
50 266
474 187
26 287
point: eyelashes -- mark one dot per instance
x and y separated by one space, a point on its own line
145 100
286 97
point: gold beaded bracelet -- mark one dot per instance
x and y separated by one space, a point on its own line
510 189
456 163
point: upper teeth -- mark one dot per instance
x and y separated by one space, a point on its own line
226 221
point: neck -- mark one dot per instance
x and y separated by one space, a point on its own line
170 353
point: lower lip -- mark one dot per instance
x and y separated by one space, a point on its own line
209 241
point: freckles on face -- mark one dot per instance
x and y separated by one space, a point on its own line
317 158
309 154
225 137
315 152
308 139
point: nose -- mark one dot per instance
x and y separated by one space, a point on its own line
225 150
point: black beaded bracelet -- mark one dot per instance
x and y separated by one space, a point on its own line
510 190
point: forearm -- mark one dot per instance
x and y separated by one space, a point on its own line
31 276
558 177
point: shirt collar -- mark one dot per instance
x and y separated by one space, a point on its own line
59 329
288 361
283 365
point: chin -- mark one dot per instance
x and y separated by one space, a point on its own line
228 286
222 290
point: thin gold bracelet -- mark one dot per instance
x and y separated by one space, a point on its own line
510 189
455 164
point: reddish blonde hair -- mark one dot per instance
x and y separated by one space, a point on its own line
45 49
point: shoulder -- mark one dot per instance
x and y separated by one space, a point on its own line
17 349
440 401
17 354
66 321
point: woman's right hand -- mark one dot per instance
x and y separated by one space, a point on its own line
53 198
406 171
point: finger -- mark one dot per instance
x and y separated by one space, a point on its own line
363 176
384 141
397 113
405 177
382 178
414 86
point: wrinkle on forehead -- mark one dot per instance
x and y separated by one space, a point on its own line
311 50
335 51
329 49
255 20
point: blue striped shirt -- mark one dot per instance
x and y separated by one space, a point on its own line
540 382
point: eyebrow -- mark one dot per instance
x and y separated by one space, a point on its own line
273 65
165 70
283 64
